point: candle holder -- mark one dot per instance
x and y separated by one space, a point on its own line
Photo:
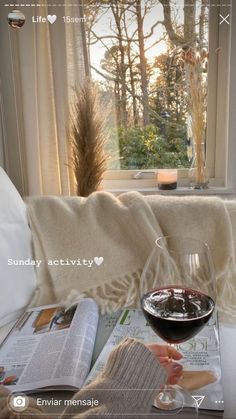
167 179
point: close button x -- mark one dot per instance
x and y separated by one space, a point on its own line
224 19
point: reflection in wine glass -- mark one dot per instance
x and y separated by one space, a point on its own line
177 297
16 19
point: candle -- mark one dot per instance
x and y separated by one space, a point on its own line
167 179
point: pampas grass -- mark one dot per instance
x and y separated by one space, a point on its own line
89 160
196 65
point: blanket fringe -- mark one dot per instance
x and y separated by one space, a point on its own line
113 296
126 292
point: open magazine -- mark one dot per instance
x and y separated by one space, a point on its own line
201 361
53 348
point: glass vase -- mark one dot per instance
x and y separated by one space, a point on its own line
198 172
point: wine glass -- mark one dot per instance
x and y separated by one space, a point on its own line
177 298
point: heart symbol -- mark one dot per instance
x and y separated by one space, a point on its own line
98 260
52 18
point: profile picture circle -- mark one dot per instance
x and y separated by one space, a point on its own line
16 19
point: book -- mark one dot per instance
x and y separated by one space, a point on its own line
51 348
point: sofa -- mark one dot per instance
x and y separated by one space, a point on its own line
18 283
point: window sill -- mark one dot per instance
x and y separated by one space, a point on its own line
211 191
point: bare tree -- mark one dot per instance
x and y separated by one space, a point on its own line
125 67
202 22
143 64
111 66
133 71
189 36
118 10
132 80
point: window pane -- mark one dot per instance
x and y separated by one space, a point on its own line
136 51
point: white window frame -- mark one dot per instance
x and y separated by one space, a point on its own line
220 95
231 145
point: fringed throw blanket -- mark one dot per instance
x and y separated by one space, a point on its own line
98 246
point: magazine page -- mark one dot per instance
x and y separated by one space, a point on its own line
50 346
201 357
106 324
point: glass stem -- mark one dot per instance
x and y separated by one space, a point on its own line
166 397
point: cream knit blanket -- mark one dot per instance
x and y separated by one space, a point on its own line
116 234
98 245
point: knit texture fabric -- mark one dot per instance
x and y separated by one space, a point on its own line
119 233
128 385
213 221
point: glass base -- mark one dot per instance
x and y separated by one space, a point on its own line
169 399
174 399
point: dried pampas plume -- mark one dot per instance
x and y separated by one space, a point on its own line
196 61
89 160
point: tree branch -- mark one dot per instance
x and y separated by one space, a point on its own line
155 43
109 78
174 37
105 76
159 22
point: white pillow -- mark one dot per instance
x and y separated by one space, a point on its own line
17 283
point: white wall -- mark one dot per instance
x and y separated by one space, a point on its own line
2 159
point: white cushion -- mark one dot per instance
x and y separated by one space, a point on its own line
17 283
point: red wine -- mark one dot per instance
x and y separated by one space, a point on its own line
177 314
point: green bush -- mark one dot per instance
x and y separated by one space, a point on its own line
146 148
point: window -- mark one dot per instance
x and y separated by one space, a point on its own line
134 54
136 58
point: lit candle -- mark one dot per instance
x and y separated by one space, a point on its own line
167 179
